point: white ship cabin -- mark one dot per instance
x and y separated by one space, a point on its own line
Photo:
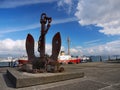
63 56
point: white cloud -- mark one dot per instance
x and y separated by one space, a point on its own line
17 29
17 47
102 13
62 2
76 51
34 26
9 46
67 5
48 49
92 42
109 48
16 3
65 20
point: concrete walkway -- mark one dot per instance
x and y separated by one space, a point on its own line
98 76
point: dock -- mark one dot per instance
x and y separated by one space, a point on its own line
97 76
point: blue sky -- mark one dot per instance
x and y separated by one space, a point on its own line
93 26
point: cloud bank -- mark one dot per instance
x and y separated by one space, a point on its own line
10 47
17 47
109 48
102 13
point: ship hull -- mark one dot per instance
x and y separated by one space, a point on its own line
70 61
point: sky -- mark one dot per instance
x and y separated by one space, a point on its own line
93 26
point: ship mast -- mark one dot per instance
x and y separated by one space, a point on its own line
68 41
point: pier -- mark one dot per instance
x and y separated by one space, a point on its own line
97 76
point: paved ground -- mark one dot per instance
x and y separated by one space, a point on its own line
98 76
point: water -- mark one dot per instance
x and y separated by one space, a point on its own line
4 64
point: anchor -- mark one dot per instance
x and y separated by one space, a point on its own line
44 63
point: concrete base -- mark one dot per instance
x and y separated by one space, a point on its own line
24 79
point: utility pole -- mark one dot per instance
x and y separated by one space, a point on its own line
68 41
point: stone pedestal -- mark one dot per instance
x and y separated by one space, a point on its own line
24 79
